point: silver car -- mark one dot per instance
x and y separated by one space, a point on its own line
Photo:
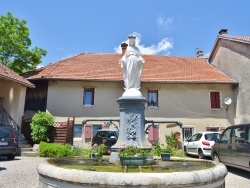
233 148
200 144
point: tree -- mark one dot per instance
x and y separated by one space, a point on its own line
15 51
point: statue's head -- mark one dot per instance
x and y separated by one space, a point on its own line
131 40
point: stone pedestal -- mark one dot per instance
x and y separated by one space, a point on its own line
132 123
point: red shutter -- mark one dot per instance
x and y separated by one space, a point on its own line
150 134
215 99
87 131
153 134
93 95
156 134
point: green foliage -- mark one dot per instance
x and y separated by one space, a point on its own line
170 140
15 43
54 150
158 148
40 125
131 151
98 151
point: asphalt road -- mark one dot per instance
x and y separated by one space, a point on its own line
21 173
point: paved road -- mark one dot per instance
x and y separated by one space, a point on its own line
21 173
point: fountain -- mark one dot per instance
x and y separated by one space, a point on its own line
132 133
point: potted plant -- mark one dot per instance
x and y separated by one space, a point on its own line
133 156
166 153
162 151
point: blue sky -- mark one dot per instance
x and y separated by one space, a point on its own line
163 27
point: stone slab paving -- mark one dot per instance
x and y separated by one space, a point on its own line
21 173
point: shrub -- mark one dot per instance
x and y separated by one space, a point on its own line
54 150
133 151
40 125
170 140
98 151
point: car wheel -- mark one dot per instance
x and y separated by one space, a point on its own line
216 157
11 157
185 151
200 153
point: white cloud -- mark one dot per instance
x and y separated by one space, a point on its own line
162 47
164 21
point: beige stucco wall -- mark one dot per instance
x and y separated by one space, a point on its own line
14 98
188 103
234 59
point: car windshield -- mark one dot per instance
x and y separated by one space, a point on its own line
212 136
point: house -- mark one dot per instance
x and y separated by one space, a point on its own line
231 55
12 96
189 90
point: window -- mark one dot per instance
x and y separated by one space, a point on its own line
153 98
212 129
248 134
215 100
196 137
238 134
187 132
225 138
88 96
78 131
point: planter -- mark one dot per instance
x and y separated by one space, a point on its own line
94 156
165 156
133 161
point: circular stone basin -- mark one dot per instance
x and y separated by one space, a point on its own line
105 166
175 173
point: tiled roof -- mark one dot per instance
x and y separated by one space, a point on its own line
243 38
105 67
11 75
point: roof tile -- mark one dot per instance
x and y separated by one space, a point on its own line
105 67
11 75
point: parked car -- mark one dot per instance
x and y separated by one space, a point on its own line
8 145
107 137
233 147
200 144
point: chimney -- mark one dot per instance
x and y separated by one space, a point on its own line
199 53
124 47
223 32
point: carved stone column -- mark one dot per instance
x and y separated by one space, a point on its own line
132 123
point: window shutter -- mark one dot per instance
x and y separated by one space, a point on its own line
153 134
87 131
93 95
156 134
150 134
215 99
